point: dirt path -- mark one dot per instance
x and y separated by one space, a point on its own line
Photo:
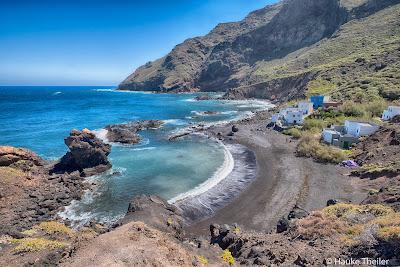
283 180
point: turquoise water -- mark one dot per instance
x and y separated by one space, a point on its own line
39 118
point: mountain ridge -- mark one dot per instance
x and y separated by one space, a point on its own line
227 57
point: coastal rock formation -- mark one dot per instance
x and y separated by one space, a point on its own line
382 147
28 194
155 212
127 133
19 158
133 244
203 97
275 52
87 154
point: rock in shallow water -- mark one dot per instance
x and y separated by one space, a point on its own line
88 154
127 133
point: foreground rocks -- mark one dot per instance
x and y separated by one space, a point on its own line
382 147
87 155
19 158
28 194
155 212
127 133
33 190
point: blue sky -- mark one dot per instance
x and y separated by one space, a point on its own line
58 42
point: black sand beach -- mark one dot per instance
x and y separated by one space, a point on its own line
283 180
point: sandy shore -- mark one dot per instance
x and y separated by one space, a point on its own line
283 180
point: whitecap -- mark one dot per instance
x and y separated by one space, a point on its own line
175 122
102 134
57 93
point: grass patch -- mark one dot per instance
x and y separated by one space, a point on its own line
294 132
8 174
319 87
36 244
317 225
349 222
202 259
53 227
351 210
378 169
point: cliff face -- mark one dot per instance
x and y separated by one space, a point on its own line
232 54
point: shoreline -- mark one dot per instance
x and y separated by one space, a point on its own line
282 179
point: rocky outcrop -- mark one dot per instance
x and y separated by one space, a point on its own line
126 133
87 154
155 212
19 158
231 53
203 97
381 148
28 194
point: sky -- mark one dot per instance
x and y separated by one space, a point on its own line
69 42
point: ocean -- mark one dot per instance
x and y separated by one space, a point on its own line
40 117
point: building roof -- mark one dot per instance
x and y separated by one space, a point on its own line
331 131
364 123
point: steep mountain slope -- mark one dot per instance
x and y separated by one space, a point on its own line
244 55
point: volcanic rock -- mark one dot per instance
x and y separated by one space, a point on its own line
127 133
88 154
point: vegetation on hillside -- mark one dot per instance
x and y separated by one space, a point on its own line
360 62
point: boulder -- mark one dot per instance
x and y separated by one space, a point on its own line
282 225
297 213
87 154
331 202
235 129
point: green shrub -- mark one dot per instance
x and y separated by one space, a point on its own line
310 147
352 109
294 132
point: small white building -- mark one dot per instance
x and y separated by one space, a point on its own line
358 129
276 117
328 135
306 107
293 116
390 113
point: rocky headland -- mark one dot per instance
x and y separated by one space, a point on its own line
34 190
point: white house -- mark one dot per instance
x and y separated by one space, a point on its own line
390 113
305 107
275 117
328 135
293 116
358 129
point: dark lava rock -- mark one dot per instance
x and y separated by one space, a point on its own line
301 261
203 97
282 225
331 202
88 154
297 213
156 212
235 129
127 133
214 230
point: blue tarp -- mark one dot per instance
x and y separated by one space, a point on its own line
349 163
